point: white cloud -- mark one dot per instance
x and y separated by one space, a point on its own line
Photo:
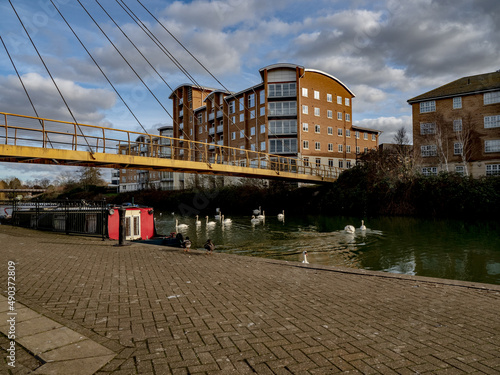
389 126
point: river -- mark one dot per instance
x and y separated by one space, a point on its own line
450 249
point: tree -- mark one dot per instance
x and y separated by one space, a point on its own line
464 136
405 161
442 137
90 176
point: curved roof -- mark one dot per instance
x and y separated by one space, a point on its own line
302 69
189 85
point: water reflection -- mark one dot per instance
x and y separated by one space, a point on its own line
436 248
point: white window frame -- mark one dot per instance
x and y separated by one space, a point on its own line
339 116
428 151
305 109
304 92
340 148
492 145
305 145
491 122
427 128
330 147
492 169
347 102
330 130
340 132
316 111
339 100
305 127
317 129
429 171
458 148
457 102
329 98
316 95
329 113
428 106
491 97
457 125
317 146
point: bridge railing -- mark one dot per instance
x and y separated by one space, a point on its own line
54 134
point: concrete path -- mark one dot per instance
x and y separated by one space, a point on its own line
146 309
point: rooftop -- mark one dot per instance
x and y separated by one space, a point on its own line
463 86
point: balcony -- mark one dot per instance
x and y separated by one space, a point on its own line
219 114
211 131
211 146
181 101
181 113
220 128
220 143
210 116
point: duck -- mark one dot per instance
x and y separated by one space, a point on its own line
254 220
197 222
281 216
210 224
349 229
180 226
362 227
227 221
304 253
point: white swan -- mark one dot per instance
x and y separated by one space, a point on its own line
254 220
304 253
281 216
227 221
210 224
180 226
197 222
262 216
362 227
349 229
218 216
257 211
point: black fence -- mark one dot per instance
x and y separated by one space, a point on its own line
83 217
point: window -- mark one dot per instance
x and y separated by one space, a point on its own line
348 164
262 111
348 149
304 92
200 129
283 146
316 111
460 169
492 97
317 146
339 100
492 146
305 126
428 150
347 102
491 122
242 133
341 164
262 128
251 100
283 127
374 137
457 102
329 98
305 145
429 106
233 119
199 117
242 104
280 90
305 109
339 132
329 114
282 108
242 117
357 149
306 162
427 128
339 116
457 125
348 117
429 171
262 97
252 147
356 133
233 136
316 94
330 163
458 148
330 130
317 128
262 146
330 147
493 170
348 133
318 162
252 114
231 106
365 136
252 130
340 148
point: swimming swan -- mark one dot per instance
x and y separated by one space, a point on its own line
210 224
349 229
362 227
304 253
180 226
281 216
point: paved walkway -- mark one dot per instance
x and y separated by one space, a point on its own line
155 310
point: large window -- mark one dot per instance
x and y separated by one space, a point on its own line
493 170
457 102
429 106
283 146
492 122
282 108
251 100
281 90
428 150
492 97
492 146
458 148
429 171
427 128
231 106
283 127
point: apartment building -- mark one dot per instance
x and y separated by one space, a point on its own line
295 111
456 127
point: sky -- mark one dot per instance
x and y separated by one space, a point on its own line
385 51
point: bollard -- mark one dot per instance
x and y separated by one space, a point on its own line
121 227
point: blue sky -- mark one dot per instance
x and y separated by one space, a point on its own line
386 51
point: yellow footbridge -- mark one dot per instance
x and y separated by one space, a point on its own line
26 139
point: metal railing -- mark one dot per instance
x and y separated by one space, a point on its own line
54 134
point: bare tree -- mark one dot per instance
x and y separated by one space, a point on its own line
464 136
404 154
442 138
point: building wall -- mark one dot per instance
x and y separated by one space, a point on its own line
472 114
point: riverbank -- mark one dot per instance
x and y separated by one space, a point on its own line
161 311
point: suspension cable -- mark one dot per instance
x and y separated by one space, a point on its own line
53 80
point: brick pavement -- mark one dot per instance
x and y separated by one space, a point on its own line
162 311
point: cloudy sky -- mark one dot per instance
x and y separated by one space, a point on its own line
386 51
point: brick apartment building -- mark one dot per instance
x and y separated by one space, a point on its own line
456 127
294 111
